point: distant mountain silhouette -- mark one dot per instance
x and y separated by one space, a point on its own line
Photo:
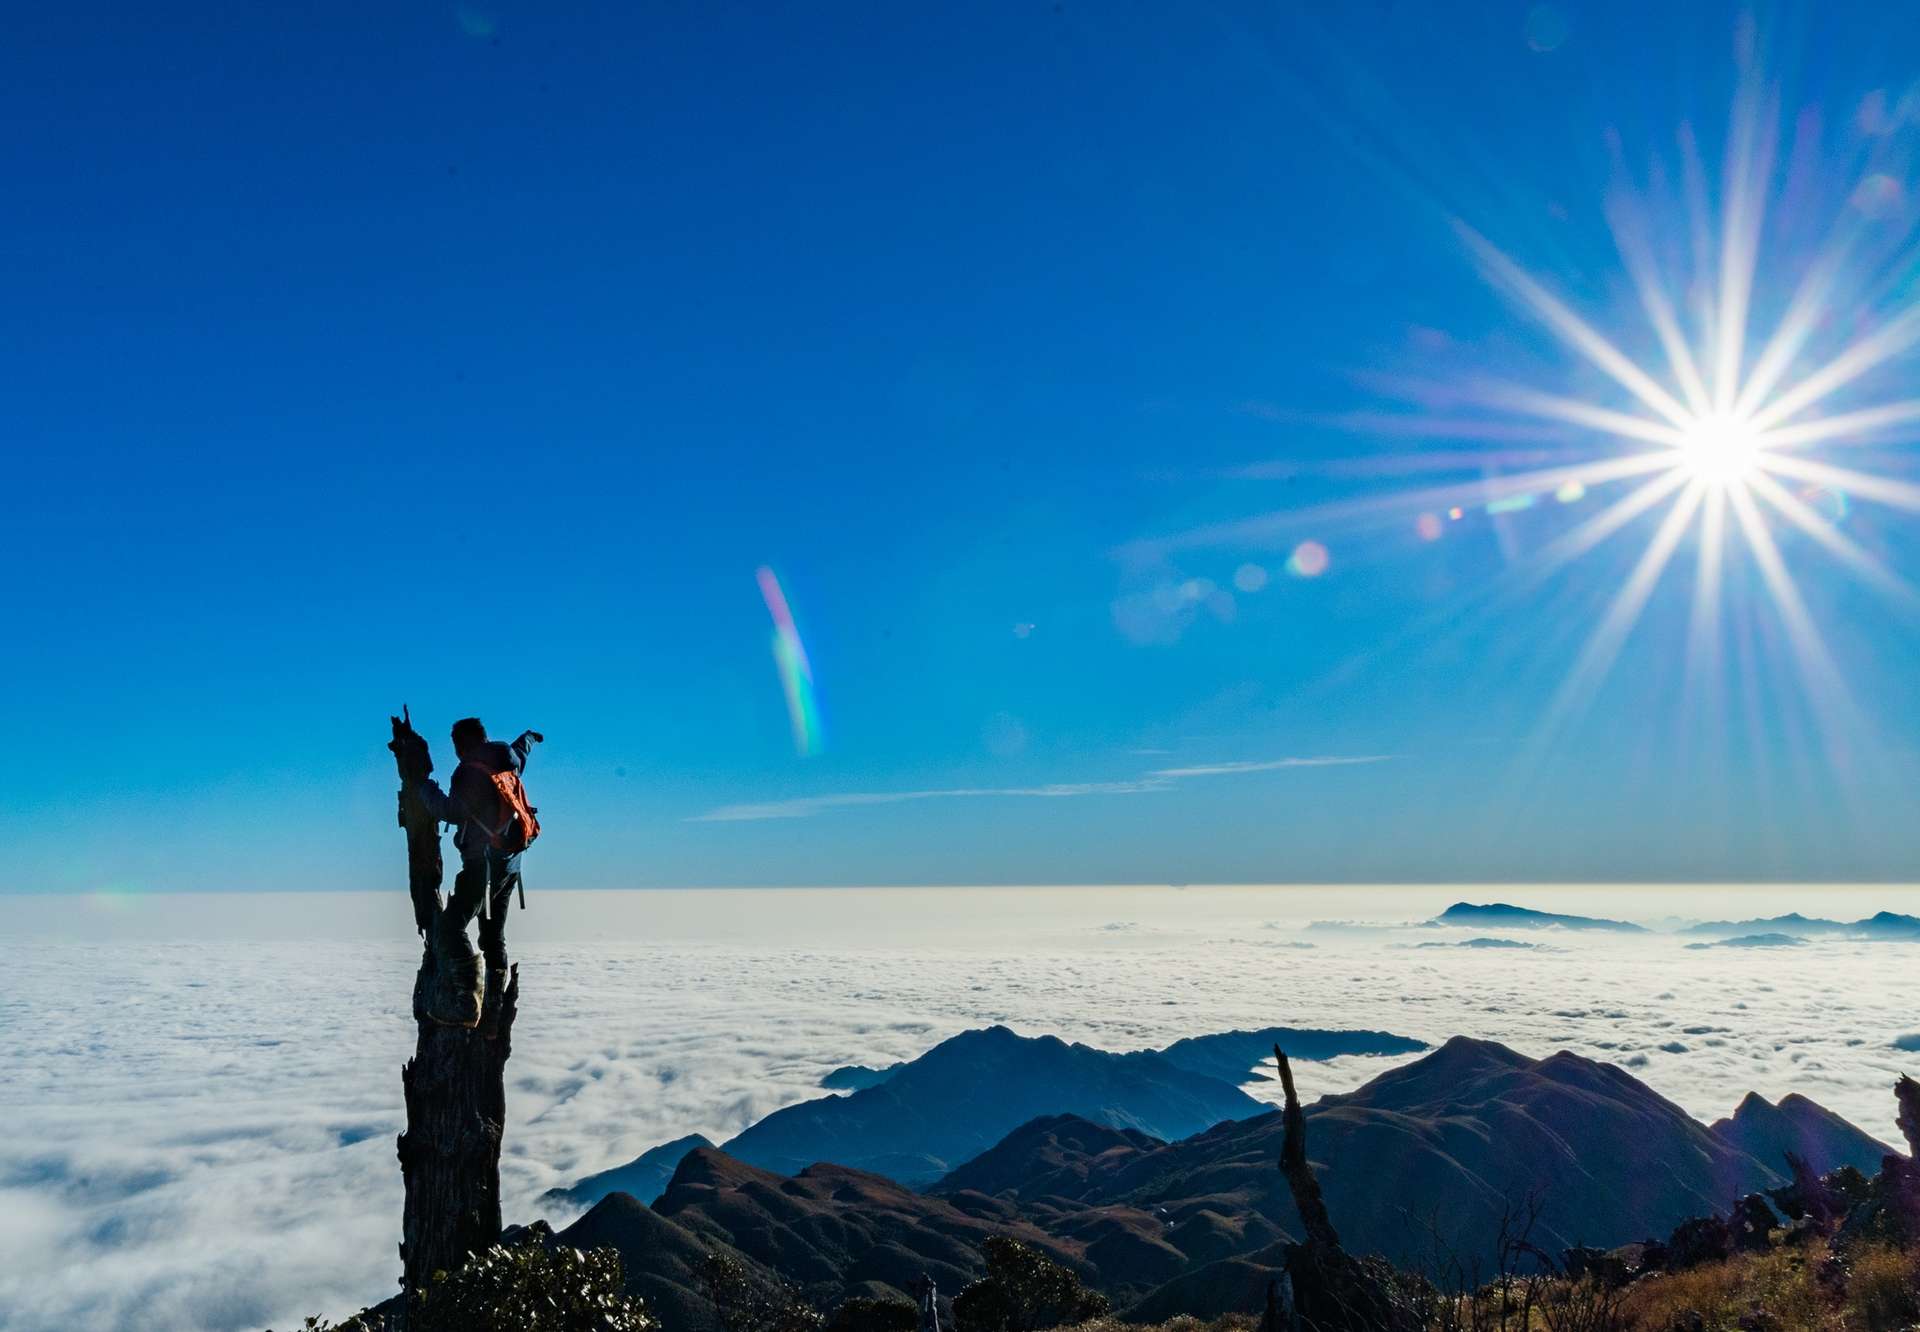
1231 1056
645 1177
1500 914
1793 923
1236 1056
1810 1130
967 1093
1771 940
1889 925
858 1077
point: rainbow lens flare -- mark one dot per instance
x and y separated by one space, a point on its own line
796 674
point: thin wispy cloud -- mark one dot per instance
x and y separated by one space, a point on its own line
1161 779
1269 765
807 806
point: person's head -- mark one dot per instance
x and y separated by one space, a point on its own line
468 735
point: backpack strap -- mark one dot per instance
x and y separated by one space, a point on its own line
493 834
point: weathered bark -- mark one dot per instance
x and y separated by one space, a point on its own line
1906 1093
1332 1290
1293 1163
1809 1196
424 871
455 1083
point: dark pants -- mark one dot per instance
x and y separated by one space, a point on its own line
493 877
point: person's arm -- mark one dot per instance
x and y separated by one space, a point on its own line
437 802
520 748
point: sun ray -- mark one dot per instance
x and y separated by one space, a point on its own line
1555 407
1272 526
1623 612
1844 548
1823 681
1693 182
1795 327
1857 427
1864 485
1603 647
1626 219
1703 619
1570 546
1572 329
1890 340
1749 161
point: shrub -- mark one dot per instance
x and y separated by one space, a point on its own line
1883 1289
861 1314
1778 1290
1023 1291
531 1288
742 1304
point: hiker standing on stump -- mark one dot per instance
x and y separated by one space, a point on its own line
493 824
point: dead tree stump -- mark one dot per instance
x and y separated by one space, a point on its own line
1332 1290
455 1083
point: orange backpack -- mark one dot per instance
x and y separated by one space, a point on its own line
516 833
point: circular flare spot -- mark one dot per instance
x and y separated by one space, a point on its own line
1309 560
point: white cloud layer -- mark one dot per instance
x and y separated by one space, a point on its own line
202 1098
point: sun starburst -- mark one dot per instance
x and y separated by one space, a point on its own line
1714 439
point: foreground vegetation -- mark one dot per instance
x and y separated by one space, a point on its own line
1874 1289
1867 1287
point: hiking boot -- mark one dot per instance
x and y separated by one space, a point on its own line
454 998
497 978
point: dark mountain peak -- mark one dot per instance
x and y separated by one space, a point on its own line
1768 1131
998 1035
1052 1155
1465 1056
613 1211
711 1168
1462 1067
645 1177
1237 1056
662 1259
1792 923
997 1043
971 1090
1890 923
1458 1047
1505 913
858 1077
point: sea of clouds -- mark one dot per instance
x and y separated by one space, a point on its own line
202 1092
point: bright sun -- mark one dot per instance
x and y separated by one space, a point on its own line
1719 450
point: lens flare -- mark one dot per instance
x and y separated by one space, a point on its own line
1755 414
796 673
1309 560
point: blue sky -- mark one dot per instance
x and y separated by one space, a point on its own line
476 358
